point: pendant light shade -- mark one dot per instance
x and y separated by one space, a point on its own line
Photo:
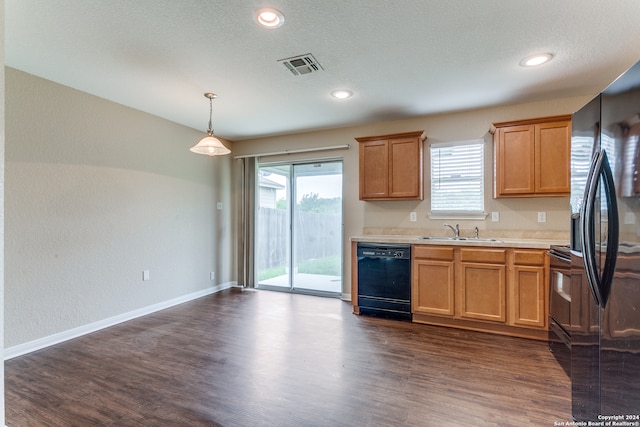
210 145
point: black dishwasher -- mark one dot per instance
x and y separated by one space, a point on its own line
384 280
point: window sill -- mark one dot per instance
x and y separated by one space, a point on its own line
458 215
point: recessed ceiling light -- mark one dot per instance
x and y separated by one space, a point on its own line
535 60
342 94
269 17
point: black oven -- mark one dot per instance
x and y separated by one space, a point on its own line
560 305
384 280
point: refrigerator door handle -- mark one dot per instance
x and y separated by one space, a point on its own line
600 284
588 227
613 230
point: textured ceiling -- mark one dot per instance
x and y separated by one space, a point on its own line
401 59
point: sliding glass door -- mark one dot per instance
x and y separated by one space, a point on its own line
317 227
299 228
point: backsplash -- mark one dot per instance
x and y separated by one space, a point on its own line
516 217
504 234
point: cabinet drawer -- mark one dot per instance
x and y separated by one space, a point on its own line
433 252
491 256
528 257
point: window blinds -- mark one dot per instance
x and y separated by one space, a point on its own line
457 176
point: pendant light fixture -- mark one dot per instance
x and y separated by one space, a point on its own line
210 145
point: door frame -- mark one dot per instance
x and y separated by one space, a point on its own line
291 193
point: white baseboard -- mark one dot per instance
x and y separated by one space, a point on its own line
28 347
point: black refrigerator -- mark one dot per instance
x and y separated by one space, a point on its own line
605 256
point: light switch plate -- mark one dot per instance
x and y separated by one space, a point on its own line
542 217
219 206
495 216
145 275
413 217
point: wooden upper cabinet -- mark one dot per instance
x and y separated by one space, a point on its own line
532 157
515 154
374 170
391 166
553 158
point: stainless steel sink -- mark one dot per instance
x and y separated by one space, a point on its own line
455 239
442 238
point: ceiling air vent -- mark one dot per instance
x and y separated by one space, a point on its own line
301 64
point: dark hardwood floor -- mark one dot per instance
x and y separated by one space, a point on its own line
259 358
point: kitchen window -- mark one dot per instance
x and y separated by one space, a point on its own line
457 178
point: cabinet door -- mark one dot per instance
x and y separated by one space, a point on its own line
432 287
527 296
374 169
515 157
482 292
405 168
553 156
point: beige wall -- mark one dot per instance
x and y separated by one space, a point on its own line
96 193
517 216
2 132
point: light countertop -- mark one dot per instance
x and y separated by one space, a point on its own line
497 242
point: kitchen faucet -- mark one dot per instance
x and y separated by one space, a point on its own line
456 231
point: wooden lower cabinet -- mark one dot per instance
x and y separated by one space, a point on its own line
482 292
482 284
527 297
528 293
432 282
500 290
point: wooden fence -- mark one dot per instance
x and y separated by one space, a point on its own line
317 236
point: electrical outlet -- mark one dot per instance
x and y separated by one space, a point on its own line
629 218
413 217
542 217
212 275
495 216
145 275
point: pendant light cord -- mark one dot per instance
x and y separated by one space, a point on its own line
210 131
